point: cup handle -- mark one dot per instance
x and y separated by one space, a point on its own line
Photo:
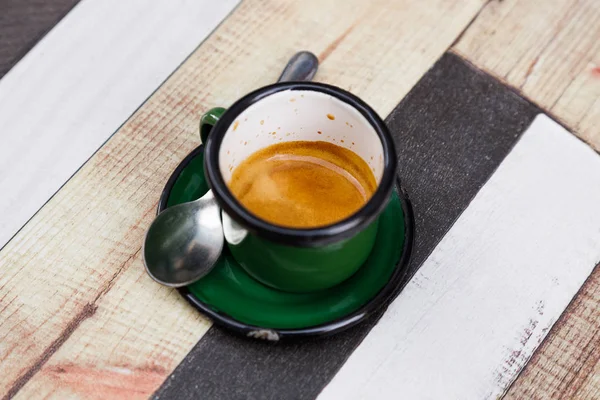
208 120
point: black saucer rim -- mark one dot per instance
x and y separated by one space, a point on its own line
379 301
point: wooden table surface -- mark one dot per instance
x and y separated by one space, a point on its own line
95 116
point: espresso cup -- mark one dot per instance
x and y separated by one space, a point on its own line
297 259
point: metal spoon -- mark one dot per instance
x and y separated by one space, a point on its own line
184 242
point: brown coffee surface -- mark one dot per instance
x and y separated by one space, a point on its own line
303 184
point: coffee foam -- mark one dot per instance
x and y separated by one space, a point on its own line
303 184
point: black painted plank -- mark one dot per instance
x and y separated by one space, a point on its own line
451 131
23 23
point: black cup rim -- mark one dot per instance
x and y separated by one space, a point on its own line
314 237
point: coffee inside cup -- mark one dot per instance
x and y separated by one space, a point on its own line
301 159
303 184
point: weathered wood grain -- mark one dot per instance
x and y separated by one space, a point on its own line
549 51
567 365
73 291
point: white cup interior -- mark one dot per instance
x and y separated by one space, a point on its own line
293 115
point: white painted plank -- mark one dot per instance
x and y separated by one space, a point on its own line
472 316
66 97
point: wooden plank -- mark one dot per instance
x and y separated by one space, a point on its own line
567 364
488 294
23 23
549 51
134 336
66 97
71 258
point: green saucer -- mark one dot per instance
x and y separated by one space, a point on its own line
233 299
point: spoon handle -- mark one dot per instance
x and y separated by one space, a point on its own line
301 67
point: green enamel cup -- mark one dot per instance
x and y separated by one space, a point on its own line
288 259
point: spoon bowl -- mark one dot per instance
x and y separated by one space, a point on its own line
184 242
